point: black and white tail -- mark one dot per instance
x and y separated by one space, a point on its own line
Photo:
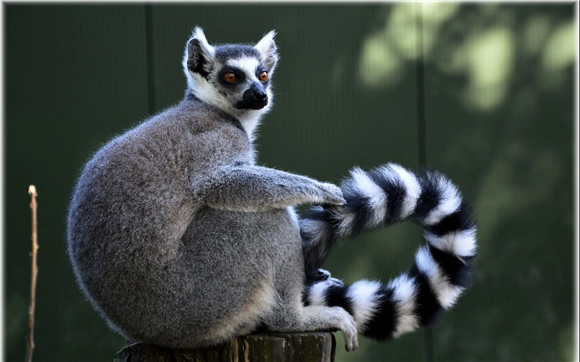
442 267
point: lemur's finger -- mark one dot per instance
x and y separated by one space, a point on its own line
331 194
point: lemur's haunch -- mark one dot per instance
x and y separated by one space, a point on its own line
179 239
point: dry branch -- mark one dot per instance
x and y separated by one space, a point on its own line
30 339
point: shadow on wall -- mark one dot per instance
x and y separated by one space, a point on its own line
483 45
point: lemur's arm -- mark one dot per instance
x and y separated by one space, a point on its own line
255 188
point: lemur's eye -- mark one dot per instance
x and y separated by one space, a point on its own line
230 77
263 76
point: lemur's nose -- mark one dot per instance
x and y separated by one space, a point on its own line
254 98
260 95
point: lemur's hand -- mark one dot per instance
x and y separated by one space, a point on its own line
331 194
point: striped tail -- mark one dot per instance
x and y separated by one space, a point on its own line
442 267
383 196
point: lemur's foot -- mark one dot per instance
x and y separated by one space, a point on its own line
348 327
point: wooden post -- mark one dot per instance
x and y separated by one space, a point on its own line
273 347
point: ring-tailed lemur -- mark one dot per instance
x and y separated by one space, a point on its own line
178 239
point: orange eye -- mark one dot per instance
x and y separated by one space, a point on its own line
229 77
263 76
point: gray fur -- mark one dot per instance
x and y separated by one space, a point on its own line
178 239
230 51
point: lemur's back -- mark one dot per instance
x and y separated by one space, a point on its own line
140 255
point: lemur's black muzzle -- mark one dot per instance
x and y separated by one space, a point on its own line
254 98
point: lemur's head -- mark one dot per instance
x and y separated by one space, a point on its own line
232 77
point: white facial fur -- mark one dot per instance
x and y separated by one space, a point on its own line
268 50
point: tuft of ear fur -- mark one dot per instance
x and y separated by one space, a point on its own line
267 48
198 54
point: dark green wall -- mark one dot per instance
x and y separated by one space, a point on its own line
482 92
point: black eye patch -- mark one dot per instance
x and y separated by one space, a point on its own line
240 76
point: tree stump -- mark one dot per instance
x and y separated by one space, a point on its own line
272 347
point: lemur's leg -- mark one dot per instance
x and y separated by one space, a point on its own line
385 195
255 188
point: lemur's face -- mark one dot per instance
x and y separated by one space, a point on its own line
234 78
243 79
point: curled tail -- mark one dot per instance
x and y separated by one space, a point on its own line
383 196
442 267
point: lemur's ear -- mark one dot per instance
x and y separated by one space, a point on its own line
198 53
267 48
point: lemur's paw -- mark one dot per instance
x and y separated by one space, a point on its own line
335 282
324 275
331 194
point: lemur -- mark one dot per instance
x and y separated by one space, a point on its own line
179 239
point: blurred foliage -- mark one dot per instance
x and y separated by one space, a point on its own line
482 92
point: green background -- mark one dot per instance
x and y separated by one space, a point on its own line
482 92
